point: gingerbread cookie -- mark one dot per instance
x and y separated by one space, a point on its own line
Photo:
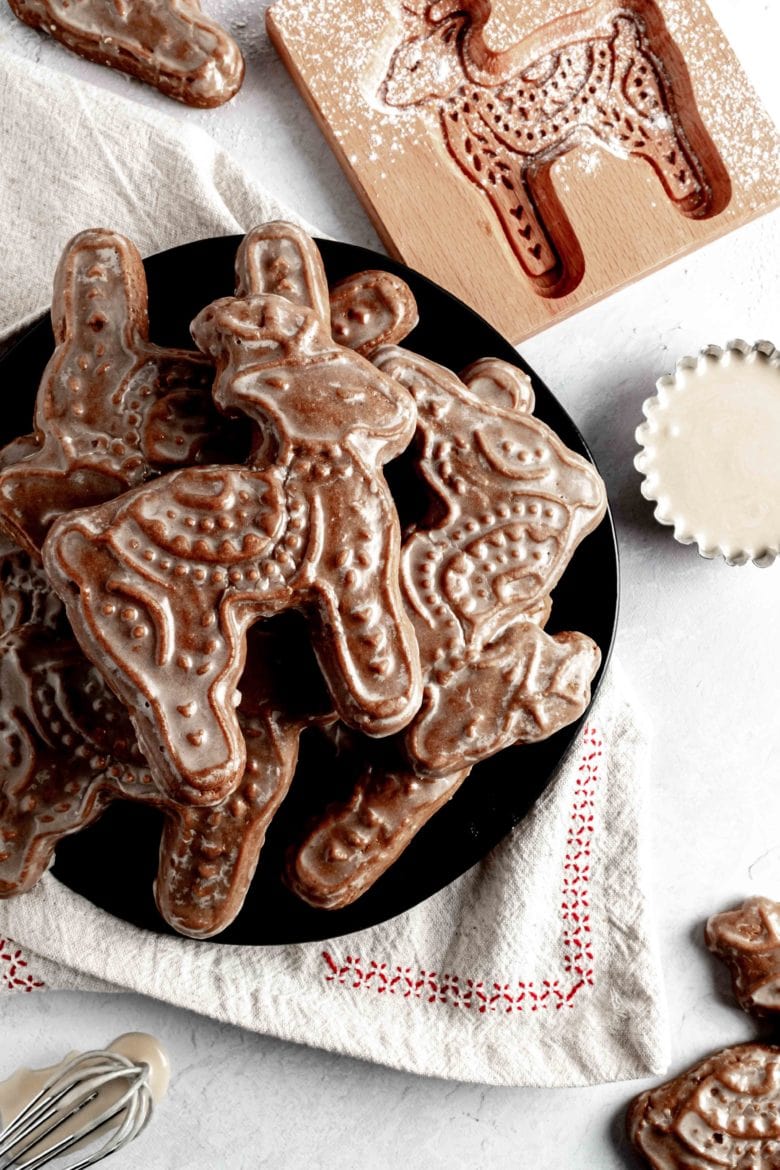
511 504
345 850
748 941
723 1114
112 408
162 584
170 44
54 706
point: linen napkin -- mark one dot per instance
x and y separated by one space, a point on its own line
538 966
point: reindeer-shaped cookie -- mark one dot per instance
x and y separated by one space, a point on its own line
511 505
748 941
112 408
162 585
609 73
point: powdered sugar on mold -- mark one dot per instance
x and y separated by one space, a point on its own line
356 57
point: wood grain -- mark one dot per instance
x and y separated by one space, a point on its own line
597 206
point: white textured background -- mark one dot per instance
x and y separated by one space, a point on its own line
701 642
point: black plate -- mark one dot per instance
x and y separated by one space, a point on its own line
113 863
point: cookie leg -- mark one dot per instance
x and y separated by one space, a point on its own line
208 856
352 844
366 645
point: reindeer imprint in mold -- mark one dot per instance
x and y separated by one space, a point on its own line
609 75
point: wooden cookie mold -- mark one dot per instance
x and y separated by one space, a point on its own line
567 153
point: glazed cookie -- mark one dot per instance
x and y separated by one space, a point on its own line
208 856
476 586
54 705
161 585
748 941
112 408
512 504
170 44
723 1114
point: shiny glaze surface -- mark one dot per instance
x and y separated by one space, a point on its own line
748 941
112 408
170 44
162 584
722 1114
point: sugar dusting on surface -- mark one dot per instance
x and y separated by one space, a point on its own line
346 77
360 45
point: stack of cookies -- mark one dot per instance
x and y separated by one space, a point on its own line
201 559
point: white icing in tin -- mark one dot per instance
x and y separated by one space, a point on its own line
711 456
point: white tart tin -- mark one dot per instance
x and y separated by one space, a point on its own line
710 455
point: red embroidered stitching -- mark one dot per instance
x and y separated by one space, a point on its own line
13 968
516 996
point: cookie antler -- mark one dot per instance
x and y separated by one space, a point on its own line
371 309
362 311
99 296
280 258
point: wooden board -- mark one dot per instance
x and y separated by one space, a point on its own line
533 159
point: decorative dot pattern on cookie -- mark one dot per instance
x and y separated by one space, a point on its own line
162 584
722 1114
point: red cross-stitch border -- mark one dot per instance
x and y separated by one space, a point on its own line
14 973
498 995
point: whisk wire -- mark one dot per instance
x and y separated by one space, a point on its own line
81 1080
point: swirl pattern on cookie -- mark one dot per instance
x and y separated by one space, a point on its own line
722 1113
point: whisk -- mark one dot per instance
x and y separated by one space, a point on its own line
101 1093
